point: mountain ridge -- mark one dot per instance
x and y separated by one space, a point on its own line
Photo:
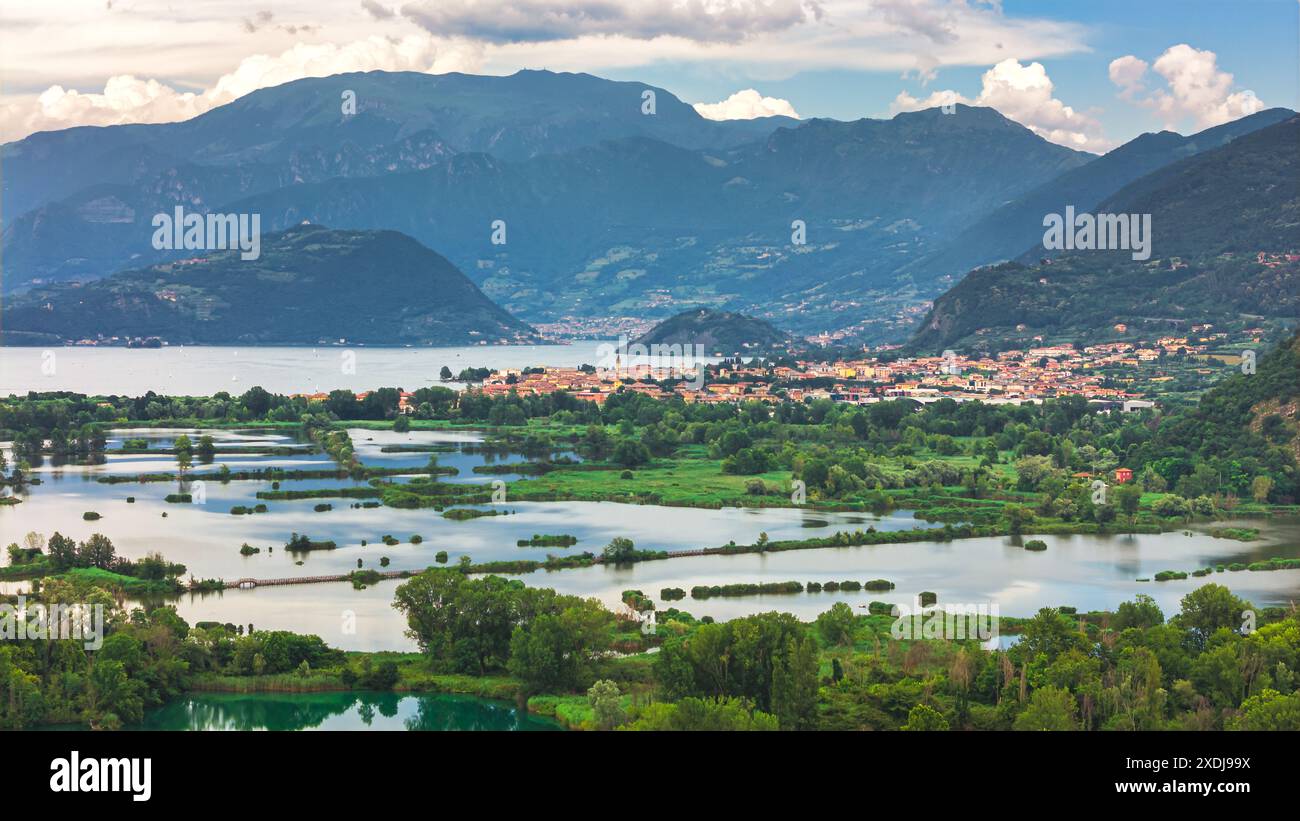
1213 215
310 285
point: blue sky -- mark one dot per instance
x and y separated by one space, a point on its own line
1185 64
1257 41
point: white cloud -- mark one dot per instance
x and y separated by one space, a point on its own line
936 23
1022 93
68 54
1128 73
1195 87
746 105
129 99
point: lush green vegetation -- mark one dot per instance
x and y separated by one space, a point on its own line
94 560
537 540
1218 664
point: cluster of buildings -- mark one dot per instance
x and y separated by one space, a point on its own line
1095 372
1012 377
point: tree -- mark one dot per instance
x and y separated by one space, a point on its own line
923 717
595 443
1050 708
1127 497
257 401
1049 633
1210 608
464 624
620 550
794 686
1032 470
1142 612
631 453
445 374
556 651
184 452
1260 488
402 423
1017 516
1268 710
207 449
836 625
605 701
97 551
112 693
62 551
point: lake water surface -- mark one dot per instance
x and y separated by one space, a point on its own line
337 711
204 370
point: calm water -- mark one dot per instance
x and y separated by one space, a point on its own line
203 371
1088 572
338 711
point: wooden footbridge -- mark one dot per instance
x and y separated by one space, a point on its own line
249 584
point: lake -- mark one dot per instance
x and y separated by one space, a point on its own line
203 371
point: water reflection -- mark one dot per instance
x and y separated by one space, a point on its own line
339 711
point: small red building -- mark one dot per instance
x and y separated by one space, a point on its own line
1123 475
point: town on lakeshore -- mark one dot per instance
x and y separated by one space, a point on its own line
1121 375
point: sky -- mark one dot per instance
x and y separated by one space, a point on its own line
1090 75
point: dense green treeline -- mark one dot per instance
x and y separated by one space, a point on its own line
1217 664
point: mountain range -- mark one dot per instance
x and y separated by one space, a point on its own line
1225 242
559 196
606 209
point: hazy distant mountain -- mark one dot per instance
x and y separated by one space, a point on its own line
310 285
719 332
1008 230
298 132
606 209
1211 215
